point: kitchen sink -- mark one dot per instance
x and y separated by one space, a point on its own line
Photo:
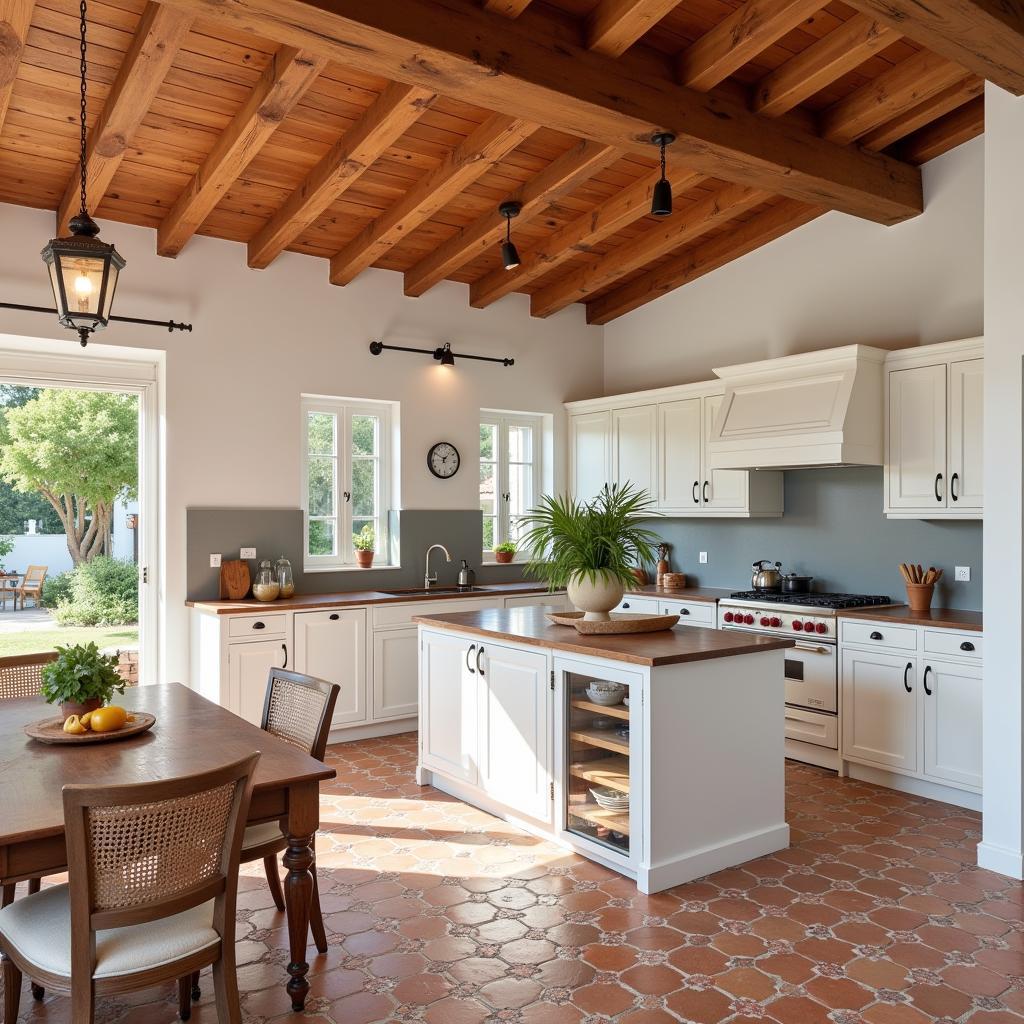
447 591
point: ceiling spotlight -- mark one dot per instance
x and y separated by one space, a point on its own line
444 355
661 199
509 254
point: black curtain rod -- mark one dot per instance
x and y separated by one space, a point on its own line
171 325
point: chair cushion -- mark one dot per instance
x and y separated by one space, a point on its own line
39 928
257 835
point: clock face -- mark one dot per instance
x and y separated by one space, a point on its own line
443 460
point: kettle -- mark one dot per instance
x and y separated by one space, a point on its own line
466 575
766 575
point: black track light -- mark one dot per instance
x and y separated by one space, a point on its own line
509 253
661 198
444 355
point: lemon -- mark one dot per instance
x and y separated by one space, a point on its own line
74 725
108 719
86 718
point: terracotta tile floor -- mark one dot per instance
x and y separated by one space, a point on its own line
439 913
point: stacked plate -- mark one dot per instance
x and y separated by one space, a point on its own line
611 799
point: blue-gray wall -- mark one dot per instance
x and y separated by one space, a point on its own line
833 530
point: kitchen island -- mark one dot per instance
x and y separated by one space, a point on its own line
682 774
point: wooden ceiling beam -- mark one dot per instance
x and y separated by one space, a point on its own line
822 63
615 25
910 120
621 210
962 125
161 31
397 108
984 36
476 155
666 236
15 16
559 178
905 84
738 38
517 69
701 259
506 8
283 83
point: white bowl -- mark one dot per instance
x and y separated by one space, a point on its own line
606 694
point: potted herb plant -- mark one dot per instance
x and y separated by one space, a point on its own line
591 548
80 679
364 542
504 553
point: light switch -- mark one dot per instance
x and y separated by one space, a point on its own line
214 561
247 553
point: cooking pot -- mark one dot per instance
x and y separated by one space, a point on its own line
794 584
766 575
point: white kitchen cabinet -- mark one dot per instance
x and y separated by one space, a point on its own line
635 447
879 708
248 667
637 605
691 613
723 490
680 466
514 703
556 602
448 705
952 722
966 419
331 645
917 437
394 678
590 452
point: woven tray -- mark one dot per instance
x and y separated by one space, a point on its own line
51 730
620 622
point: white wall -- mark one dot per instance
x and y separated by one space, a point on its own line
832 282
262 338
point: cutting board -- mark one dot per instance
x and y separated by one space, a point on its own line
234 580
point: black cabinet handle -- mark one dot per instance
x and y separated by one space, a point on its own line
684 611
924 679
696 488
938 480
479 667
625 604
952 486
876 636
335 616
469 651
259 625
704 492
967 646
284 647
906 673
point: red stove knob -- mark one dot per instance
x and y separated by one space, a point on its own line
727 617
821 627
798 625
765 621
748 619
775 621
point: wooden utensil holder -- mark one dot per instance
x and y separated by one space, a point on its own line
919 596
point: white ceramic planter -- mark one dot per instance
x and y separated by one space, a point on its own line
596 596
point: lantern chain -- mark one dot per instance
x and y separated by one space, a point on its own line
82 10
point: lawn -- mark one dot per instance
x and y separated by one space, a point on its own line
33 640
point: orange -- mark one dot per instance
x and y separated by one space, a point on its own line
108 719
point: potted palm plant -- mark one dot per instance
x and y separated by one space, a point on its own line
590 548
364 542
80 679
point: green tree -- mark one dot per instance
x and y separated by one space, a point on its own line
79 450
16 508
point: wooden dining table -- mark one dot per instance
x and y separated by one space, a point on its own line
191 735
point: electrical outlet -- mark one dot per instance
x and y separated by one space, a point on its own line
214 561
247 553
962 574
703 558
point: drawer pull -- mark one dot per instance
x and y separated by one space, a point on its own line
259 625
684 611
335 616
469 651
967 646
625 604
876 636
906 673
924 680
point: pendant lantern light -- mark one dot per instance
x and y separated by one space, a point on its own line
509 253
83 270
661 199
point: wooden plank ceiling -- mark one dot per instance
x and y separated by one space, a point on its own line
387 134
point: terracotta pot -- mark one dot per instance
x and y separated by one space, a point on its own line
919 596
504 556
71 708
364 559
596 596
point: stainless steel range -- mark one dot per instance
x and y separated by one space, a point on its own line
812 676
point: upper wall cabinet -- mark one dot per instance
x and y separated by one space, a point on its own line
934 464
658 440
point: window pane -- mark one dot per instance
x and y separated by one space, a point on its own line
364 488
321 486
487 494
488 438
521 497
520 444
364 435
320 433
321 537
488 533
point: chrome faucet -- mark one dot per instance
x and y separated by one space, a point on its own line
428 580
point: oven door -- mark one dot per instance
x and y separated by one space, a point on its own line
811 677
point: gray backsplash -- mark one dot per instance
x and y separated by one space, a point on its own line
833 530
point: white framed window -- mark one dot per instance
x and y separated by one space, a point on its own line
346 453
511 447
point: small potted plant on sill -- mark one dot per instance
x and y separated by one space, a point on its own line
504 553
364 542
80 679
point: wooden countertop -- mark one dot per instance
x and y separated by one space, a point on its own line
668 647
943 618
710 594
347 598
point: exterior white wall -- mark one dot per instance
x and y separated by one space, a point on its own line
262 338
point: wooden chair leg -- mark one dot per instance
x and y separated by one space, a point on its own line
12 991
33 885
196 990
83 1000
185 997
225 987
316 918
274 880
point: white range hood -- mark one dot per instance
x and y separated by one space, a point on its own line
818 409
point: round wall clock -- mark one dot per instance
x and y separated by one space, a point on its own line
443 460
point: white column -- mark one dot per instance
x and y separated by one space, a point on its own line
1003 837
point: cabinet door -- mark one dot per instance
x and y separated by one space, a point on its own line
448 705
879 714
721 489
590 449
331 645
395 688
515 730
952 722
966 416
679 442
634 447
249 664
916 466
553 602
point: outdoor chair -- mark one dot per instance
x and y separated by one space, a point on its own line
31 585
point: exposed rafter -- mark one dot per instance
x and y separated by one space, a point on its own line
557 179
660 239
161 32
962 125
506 8
446 45
701 259
283 83
615 25
925 112
477 154
388 117
15 17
